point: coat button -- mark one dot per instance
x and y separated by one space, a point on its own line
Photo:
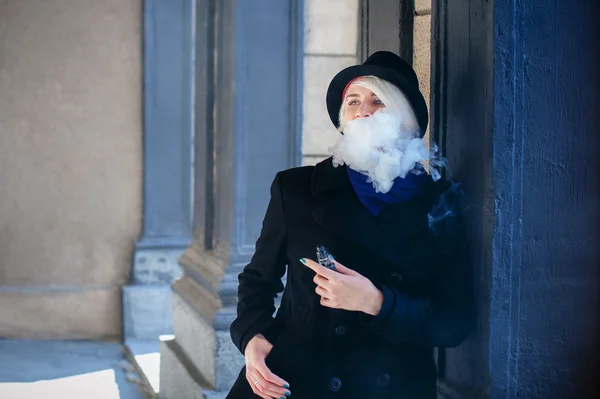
335 384
396 276
383 380
340 330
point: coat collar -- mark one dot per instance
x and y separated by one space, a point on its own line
327 177
339 210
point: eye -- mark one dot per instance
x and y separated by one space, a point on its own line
353 102
378 102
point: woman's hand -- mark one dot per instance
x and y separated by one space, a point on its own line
262 381
345 289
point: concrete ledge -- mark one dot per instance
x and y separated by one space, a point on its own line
195 335
145 358
208 347
147 312
179 377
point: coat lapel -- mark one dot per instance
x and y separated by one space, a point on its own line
339 210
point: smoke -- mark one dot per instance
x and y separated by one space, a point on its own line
384 148
443 214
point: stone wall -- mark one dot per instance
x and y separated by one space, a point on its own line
422 49
330 44
70 164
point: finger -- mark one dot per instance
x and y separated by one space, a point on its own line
327 303
266 388
262 373
317 268
322 281
267 374
322 292
275 393
255 385
272 381
262 395
341 268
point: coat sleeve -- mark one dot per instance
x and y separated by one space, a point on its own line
446 315
260 281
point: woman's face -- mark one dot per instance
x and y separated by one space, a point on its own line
359 103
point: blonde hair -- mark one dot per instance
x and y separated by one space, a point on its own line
391 96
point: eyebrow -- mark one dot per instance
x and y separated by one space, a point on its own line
357 95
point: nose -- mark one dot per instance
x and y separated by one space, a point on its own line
365 110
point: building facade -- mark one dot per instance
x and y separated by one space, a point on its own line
70 165
139 138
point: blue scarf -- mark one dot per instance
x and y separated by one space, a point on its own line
402 190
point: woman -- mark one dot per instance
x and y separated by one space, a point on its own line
402 281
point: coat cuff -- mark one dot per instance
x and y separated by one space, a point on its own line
259 327
387 307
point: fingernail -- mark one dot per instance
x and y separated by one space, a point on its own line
287 394
283 397
286 386
331 256
303 260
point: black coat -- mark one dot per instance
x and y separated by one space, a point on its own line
424 274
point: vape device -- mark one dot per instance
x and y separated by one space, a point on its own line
323 257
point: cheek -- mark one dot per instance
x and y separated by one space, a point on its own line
348 114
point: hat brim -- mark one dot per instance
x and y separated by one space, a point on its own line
340 81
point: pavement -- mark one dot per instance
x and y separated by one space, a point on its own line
38 369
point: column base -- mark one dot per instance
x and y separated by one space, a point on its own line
147 311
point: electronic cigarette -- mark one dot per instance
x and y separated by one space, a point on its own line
323 257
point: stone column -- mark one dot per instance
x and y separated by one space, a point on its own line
167 201
248 99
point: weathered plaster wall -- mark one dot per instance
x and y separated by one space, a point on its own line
422 49
70 164
523 140
545 295
330 44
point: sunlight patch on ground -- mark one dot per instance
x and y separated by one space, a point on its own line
98 384
150 363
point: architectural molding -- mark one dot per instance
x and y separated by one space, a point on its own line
245 68
168 115
168 78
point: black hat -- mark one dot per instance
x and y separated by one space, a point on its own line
384 65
